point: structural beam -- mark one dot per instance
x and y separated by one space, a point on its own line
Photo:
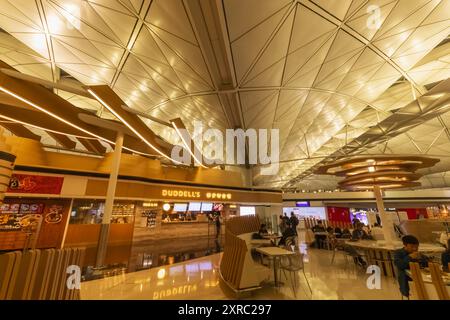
110 100
92 145
19 130
63 140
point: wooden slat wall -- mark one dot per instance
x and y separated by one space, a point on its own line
438 283
419 285
244 224
38 274
232 263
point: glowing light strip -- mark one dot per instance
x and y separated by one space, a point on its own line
64 121
41 128
186 145
129 126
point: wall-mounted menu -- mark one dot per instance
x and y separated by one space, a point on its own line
15 216
123 210
151 217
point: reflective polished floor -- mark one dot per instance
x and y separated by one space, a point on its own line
199 279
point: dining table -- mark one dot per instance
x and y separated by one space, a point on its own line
274 253
382 253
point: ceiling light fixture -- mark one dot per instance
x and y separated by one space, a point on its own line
129 126
65 121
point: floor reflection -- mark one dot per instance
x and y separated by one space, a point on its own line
199 279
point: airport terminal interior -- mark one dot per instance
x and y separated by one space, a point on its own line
224 149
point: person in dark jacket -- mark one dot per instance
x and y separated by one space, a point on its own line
218 225
338 232
402 258
445 258
359 233
319 238
288 233
293 222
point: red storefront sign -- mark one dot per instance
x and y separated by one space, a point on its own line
338 214
24 183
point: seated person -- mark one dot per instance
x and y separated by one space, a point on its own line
355 223
319 238
318 227
346 234
445 258
288 233
338 232
262 232
330 230
402 258
359 233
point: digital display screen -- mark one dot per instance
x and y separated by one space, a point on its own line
218 207
207 206
180 207
194 206
302 204
245 211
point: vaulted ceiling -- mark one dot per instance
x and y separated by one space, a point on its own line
328 74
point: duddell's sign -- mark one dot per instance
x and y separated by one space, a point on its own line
194 194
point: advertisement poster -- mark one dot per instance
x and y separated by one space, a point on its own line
54 214
15 217
24 183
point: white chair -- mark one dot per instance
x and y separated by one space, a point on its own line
293 263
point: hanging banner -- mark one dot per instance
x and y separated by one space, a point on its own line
24 183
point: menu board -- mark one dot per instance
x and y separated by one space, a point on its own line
194 206
180 207
15 216
151 217
207 206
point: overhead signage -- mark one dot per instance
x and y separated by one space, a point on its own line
25 183
190 194
302 204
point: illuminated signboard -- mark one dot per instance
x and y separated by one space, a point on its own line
195 194
218 195
181 193
302 204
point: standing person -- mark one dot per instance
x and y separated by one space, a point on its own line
218 225
402 258
283 225
286 220
293 221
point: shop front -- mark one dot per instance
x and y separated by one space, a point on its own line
152 224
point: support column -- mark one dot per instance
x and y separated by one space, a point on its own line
107 214
388 228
